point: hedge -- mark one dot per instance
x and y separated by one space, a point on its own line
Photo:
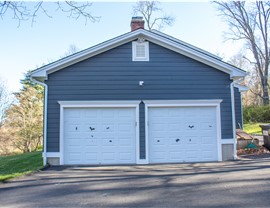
254 114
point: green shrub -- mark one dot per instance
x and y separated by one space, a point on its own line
254 114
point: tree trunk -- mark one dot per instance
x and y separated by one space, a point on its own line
265 92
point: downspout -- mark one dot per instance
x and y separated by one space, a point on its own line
233 117
44 154
233 120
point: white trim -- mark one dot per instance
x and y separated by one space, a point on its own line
227 141
134 51
233 120
44 119
169 103
241 88
53 154
146 106
187 44
219 139
183 103
162 40
61 135
99 104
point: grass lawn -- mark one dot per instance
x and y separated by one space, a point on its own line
20 164
253 128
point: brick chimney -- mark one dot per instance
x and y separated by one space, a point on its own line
137 23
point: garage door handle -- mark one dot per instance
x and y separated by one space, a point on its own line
177 140
110 141
158 141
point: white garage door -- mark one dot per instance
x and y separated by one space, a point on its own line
99 136
182 134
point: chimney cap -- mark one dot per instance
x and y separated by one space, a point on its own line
137 23
137 18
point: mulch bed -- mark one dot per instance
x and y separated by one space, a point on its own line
258 153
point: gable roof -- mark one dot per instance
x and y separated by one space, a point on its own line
156 37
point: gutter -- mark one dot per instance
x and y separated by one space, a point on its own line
44 154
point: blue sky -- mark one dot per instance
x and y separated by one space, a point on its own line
27 47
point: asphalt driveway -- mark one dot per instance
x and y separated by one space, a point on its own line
225 184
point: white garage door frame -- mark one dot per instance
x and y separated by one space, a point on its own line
97 104
184 103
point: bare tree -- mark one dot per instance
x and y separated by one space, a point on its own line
249 21
154 16
252 80
71 50
5 101
22 11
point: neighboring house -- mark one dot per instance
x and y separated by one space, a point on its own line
142 97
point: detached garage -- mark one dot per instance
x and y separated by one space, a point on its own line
143 97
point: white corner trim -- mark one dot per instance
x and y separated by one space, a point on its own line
137 148
99 104
218 120
184 103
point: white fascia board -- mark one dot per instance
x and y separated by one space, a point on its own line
95 50
199 56
241 88
187 44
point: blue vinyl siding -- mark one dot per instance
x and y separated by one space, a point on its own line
238 108
113 75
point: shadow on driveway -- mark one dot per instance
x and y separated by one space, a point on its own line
226 184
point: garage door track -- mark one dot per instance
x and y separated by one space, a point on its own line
225 184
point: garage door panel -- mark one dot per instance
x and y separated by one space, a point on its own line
175 155
74 156
108 127
194 128
91 142
191 155
175 126
126 127
74 127
175 141
125 141
74 142
108 156
208 155
125 156
193 140
91 156
104 135
159 156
